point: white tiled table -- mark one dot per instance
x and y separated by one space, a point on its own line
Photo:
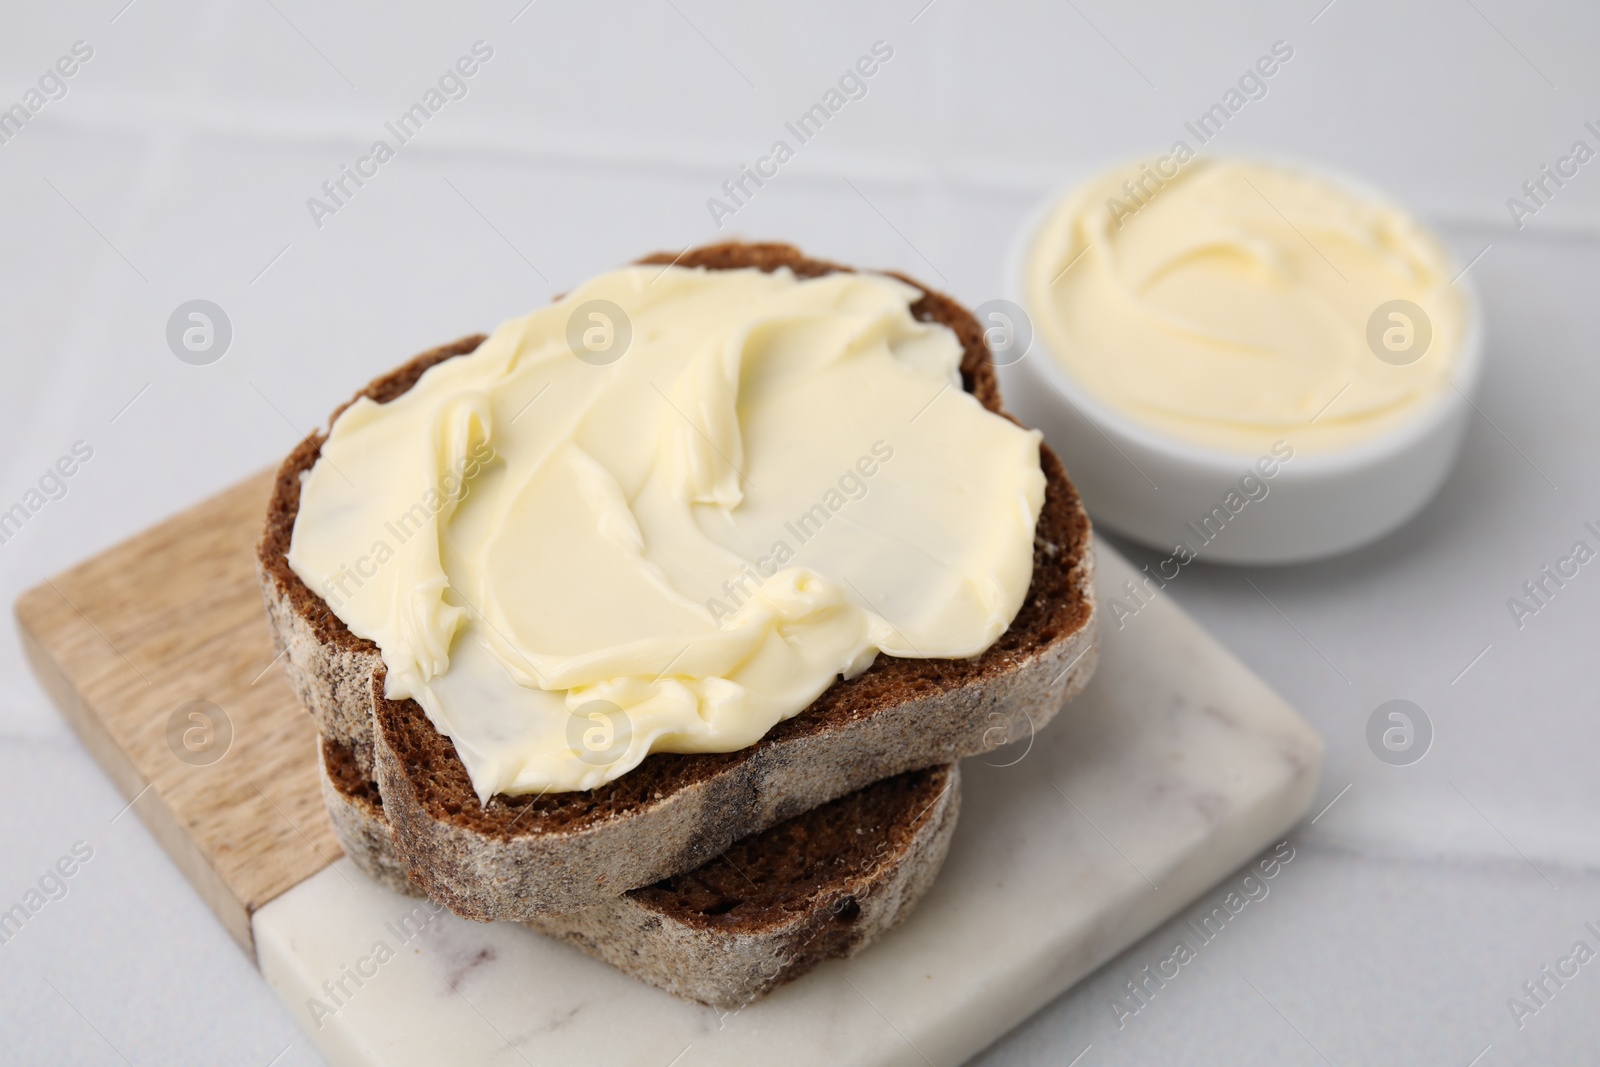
178 166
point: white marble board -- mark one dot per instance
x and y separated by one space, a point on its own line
1174 767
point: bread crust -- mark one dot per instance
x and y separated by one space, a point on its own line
723 948
647 934
524 857
355 807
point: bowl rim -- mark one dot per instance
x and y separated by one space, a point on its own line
1435 417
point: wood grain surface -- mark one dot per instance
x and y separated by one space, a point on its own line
127 640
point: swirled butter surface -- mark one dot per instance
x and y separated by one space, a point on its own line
749 485
1231 304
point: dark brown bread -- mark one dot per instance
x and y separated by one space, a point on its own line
820 886
329 668
355 807
522 857
823 885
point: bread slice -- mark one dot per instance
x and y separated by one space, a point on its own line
355 807
822 885
329 668
527 856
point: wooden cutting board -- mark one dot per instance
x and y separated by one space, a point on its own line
127 641
1176 765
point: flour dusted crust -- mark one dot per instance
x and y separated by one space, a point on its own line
820 886
355 807
524 858
827 884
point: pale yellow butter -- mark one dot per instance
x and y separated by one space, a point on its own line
1227 303
571 564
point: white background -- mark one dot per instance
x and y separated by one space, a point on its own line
178 167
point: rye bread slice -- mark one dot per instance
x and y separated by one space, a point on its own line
822 885
355 807
329 668
521 857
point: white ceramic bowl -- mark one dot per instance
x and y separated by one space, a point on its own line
1157 489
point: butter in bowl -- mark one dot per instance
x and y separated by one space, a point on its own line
1247 361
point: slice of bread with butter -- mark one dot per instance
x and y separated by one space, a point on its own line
915 670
